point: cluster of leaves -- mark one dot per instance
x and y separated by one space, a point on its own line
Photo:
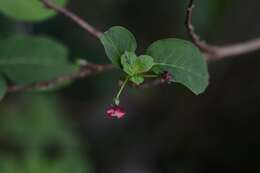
27 59
179 57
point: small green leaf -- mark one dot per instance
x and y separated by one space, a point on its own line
128 60
137 79
117 40
133 65
183 60
27 10
3 87
144 63
25 59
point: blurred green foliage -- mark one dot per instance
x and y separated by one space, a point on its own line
40 137
29 10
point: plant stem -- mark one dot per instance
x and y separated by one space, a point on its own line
150 76
121 90
162 64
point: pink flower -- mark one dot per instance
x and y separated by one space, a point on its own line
115 112
166 76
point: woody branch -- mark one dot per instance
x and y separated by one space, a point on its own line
213 52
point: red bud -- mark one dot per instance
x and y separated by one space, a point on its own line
166 76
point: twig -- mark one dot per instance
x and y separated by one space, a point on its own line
149 84
214 53
204 47
236 49
75 18
85 71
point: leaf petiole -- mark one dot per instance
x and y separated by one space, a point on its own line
150 76
162 64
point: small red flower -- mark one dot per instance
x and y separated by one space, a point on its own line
115 111
166 76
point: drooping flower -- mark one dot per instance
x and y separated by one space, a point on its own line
115 111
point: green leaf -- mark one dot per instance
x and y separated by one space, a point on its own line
27 10
25 59
137 79
117 40
183 60
144 63
3 87
133 65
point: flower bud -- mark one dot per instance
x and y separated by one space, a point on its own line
167 76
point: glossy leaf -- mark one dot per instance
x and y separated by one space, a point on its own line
117 40
183 60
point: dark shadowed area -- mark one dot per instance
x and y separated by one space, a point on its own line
167 129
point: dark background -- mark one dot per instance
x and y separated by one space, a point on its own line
167 129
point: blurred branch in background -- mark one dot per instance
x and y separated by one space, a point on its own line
86 70
75 18
216 52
